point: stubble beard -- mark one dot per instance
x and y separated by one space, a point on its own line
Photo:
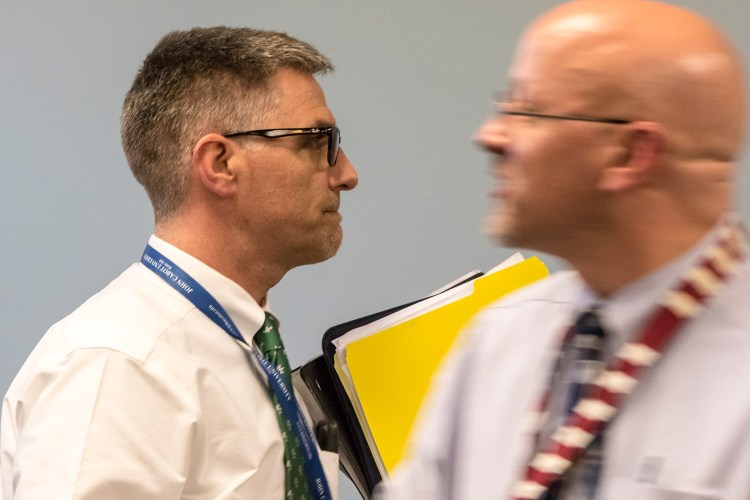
332 242
499 225
329 241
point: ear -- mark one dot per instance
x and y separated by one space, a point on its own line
640 155
213 159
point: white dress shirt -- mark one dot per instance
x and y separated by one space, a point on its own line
138 395
683 434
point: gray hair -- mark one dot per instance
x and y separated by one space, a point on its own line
195 82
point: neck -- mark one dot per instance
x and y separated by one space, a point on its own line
219 249
609 264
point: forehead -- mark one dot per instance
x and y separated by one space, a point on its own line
561 62
299 101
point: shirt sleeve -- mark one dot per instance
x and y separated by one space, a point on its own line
101 424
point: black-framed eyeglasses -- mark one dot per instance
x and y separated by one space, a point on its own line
333 133
578 118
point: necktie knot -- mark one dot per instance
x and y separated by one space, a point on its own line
588 344
588 323
588 339
268 338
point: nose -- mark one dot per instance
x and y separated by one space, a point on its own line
343 176
492 136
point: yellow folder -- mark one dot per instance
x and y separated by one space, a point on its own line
391 369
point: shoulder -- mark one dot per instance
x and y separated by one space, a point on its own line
523 324
112 338
534 301
127 316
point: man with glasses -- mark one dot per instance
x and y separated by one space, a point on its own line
627 378
172 382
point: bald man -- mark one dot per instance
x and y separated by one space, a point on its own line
629 376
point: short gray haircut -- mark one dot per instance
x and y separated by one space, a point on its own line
195 82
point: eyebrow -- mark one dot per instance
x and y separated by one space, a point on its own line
322 123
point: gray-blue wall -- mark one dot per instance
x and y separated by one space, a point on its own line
414 80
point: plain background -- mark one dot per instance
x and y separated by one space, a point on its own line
414 80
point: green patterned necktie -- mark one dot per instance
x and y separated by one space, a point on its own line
269 342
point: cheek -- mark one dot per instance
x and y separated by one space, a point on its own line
291 208
532 174
283 191
562 165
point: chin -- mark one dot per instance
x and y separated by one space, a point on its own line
333 246
499 228
324 249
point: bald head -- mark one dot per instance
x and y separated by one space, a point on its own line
616 145
643 60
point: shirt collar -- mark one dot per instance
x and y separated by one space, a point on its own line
240 305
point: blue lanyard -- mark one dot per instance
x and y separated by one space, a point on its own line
205 302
